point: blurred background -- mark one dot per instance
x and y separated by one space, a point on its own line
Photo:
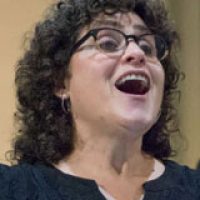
18 17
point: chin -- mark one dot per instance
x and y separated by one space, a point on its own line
140 124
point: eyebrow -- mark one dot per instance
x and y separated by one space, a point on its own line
107 22
141 28
116 24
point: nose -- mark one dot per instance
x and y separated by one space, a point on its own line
134 54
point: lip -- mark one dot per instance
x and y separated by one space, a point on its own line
135 72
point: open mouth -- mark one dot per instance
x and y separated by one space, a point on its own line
135 84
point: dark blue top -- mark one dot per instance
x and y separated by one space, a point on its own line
41 182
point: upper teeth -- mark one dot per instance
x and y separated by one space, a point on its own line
132 77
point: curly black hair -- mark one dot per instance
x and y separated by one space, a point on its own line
46 132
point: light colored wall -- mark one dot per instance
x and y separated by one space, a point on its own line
187 16
16 17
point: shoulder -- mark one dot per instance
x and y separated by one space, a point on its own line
182 179
177 182
184 173
17 181
8 173
40 181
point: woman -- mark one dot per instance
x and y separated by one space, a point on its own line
96 90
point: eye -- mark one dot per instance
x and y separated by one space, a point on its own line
108 43
109 40
148 48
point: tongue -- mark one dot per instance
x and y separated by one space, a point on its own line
136 87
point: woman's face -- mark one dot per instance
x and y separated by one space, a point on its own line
115 91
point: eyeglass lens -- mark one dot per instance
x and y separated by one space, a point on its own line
114 41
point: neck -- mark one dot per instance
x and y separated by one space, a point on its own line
113 154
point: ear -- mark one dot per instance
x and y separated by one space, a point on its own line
63 92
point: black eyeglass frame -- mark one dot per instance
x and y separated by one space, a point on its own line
163 52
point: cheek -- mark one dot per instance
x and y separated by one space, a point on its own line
86 78
158 74
161 82
93 64
162 78
158 79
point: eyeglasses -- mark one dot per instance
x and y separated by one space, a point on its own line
114 42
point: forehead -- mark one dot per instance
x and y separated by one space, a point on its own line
124 21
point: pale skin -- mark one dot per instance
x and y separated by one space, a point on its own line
109 125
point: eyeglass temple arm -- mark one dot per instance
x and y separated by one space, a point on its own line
81 41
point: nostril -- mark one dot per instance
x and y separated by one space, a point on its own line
137 59
142 60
